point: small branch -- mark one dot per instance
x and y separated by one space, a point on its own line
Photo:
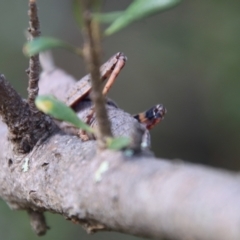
92 59
26 124
25 128
13 109
34 65
38 222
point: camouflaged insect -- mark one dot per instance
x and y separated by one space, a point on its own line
110 70
55 81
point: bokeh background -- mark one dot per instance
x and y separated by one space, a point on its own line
187 58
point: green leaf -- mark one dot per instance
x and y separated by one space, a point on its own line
118 143
41 44
57 109
107 17
139 9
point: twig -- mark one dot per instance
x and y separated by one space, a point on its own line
92 59
38 222
34 65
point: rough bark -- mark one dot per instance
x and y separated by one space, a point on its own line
138 195
128 192
26 127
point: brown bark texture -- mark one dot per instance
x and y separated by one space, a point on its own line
124 191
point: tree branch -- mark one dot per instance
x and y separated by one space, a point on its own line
138 195
116 191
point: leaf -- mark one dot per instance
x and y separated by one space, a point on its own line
57 109
41 44
107 17
118 143
139 9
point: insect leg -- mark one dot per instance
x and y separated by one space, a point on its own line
119 65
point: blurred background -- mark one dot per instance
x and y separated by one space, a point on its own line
187 58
